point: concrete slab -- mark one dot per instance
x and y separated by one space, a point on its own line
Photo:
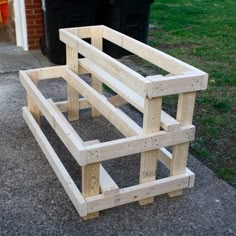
34 203
13 59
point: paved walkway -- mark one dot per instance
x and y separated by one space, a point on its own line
32 201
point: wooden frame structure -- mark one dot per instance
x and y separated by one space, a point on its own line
160 130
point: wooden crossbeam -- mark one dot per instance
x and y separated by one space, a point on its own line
142 142
163 86
156 57
85 31
46 73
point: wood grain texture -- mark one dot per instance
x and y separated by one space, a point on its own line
72 94
180 152
151 123
96 41
33 108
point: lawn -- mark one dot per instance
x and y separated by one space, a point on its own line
203 33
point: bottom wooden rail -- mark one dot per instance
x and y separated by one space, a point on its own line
139 192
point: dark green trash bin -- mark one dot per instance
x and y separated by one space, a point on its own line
130 17
63 14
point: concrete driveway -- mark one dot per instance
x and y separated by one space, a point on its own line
33 202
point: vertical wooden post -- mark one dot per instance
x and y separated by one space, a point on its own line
151 123
72 94
90 184
96 41
33 108
180 152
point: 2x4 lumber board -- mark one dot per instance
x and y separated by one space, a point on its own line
91 181
156 57
117 101
90 184
115 84
191 178
46 73
108 185
62 129
84 32
83 104
59 169
162 86
127 76
185 111
136 144
33 108
138 192
120 120
165 157
72 94
96 41
148 162
168 123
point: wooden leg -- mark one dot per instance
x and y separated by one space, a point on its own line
148 167
73 103
97 85
180 152
151 123
33 108
90 184
72 94
96 41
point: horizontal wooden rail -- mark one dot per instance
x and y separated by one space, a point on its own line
138 192
46 73
141 143
63 106
84 32
156 57
163 86
62 128
84 104
59 169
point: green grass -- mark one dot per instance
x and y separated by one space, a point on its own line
203 33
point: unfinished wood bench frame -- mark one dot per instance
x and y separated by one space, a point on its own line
99 190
